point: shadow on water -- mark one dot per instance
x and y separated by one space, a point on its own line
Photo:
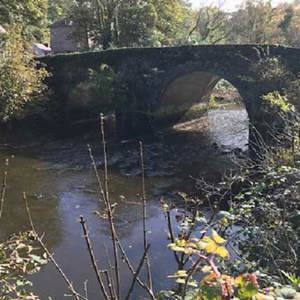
61 185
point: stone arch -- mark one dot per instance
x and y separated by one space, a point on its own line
188 74
192 87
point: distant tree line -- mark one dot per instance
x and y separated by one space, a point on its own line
140 23
254 22
120 23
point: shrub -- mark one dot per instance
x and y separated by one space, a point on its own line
19 257
21 81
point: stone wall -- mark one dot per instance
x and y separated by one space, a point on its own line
149 72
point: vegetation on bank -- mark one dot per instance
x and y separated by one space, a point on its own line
20 256
21 79
259 229
249 251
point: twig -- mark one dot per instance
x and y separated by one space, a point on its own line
137 272
110 273
3 192
96 172
130 267
109 283
92 256
194 267
172 237
103 195
145 215
109 211
69 284
85 287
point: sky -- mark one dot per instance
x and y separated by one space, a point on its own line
227 4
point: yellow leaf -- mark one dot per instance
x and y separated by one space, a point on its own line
239 279
180 280
181 243
206 269
179 274
211 247
176 248
201 245
221 251
206 239
214 245
217 238
188 251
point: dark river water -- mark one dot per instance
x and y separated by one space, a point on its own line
58 179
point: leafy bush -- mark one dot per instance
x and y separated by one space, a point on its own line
277 102
201 252
21 81
102 85
267 216
101 90
19 256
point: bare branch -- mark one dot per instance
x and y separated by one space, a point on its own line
145 214
92 256
137 273
3 192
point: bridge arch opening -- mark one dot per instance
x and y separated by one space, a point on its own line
202 101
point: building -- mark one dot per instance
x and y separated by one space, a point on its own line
40 50
66 36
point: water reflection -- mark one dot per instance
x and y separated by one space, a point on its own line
40 188
61 186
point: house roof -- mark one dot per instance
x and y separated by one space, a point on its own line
2 30
42 47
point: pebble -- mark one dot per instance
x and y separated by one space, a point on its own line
288 292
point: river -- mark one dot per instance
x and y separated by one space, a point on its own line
58 178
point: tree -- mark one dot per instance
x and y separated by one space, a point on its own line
20 79
211 26
136 23
253 23
58 9
31 15
289 24
97 18
82 13
172 24
132 22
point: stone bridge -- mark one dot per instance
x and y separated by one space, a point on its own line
154 78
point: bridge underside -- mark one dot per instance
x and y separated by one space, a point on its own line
187 90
